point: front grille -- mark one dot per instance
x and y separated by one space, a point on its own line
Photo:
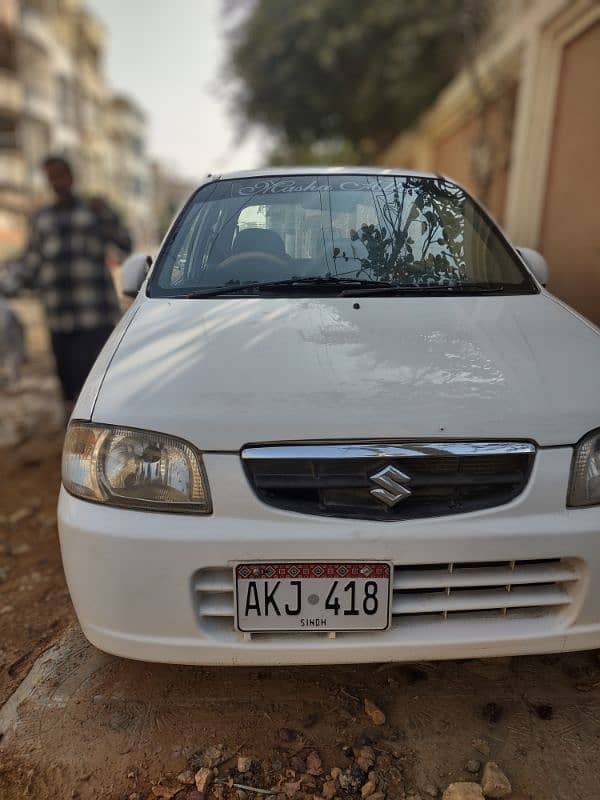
429 595
501 587
432 480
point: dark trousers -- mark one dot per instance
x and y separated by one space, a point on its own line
75 353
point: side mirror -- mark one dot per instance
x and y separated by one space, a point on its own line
133 273
536 263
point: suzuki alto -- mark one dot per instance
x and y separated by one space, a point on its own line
342 421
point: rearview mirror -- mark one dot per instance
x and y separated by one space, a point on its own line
133 273
536 263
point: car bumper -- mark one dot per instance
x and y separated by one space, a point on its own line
134 576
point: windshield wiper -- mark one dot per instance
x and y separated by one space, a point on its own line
322 281
411 288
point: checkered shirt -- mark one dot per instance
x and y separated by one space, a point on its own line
65 260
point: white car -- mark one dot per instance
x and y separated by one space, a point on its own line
343 421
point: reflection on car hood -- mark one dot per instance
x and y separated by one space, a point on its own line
225 372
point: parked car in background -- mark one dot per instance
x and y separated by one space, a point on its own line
343 421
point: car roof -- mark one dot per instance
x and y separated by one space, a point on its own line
269 172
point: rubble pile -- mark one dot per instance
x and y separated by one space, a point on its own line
369 772
366 773
29 406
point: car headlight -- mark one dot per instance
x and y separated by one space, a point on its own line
134 469
584 488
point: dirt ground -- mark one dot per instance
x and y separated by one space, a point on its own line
76 723
34 602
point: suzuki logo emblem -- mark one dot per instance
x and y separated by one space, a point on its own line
390 486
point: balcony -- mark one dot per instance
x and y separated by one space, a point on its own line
39 103
11 95
92 30
12 170
36 29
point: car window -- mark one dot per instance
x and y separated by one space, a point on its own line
418 232
299 228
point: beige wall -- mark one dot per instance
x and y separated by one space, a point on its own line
570 231
545 134
476 154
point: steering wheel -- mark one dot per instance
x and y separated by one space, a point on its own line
268 266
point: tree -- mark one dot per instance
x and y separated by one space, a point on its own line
341 78
435 256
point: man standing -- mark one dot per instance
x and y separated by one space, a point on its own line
65 259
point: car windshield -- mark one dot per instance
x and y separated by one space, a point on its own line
323 233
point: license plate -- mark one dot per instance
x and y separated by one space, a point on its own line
310 596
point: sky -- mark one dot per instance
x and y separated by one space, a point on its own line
168 55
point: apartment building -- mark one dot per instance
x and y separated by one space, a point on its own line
130 171
520 128
54 98
169 193
12 163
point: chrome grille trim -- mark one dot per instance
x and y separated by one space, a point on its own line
383 450
432 479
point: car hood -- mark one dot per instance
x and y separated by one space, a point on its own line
224 372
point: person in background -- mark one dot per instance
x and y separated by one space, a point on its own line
65 260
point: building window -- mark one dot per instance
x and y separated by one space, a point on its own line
8 133
136 186
67 102
137 145
8 51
